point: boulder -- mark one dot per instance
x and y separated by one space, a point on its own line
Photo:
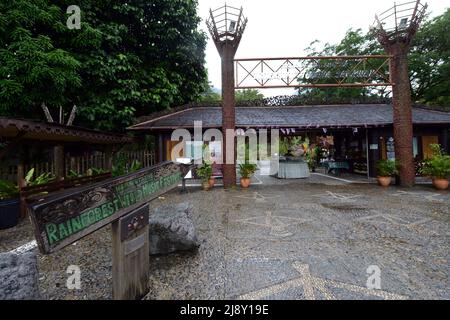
18 276
172 229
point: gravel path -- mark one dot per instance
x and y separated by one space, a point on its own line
273 241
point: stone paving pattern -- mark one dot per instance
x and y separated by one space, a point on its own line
301 239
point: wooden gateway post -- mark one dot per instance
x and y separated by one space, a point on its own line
395 29
226 26
70 215
131 259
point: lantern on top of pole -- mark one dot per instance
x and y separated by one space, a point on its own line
226 26
395 29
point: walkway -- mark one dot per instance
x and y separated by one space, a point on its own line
319 238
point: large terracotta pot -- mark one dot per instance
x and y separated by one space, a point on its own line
205 185
245 182
211 182
384 181
440 184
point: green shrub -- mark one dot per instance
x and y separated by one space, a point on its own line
205 171
122 167
283 147
44 178
387 168
438 166
8 190
246 170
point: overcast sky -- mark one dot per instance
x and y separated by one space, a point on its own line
284 28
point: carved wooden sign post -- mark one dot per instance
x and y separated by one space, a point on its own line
70 215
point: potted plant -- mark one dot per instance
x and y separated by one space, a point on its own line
437 167
283 147
211 180
386 169
246 170
205 173
9 204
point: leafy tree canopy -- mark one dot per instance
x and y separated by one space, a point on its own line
248 95
210 94
128 59
429 65
429 62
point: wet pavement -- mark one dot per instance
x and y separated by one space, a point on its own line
318 238
296 240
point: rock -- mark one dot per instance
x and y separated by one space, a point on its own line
172 229
18 276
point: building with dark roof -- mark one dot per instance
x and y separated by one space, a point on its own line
362 133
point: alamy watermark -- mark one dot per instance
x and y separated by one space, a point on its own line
250 146
374 279
74 20
74 279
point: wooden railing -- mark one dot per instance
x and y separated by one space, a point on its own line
80 164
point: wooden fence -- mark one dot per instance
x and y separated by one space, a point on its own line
80 164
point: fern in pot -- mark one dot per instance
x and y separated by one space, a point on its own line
246 171
386 169
438 168
205 173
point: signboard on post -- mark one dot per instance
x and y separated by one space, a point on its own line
131 259
68 216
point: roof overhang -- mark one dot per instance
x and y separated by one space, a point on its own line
41 131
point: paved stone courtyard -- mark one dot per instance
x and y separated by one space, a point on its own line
301 239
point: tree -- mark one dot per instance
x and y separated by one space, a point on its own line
354 43
151 58
248 95
128 59
429 62
210 95
429 65
34 69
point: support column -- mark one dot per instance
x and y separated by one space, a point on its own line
59 162
226 26
131 260
109 158
402 112
21 183
160 148
228 116
374 154
445 140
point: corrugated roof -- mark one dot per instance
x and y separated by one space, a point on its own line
33 130
293 116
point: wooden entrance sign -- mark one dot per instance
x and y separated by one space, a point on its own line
68 216
131 259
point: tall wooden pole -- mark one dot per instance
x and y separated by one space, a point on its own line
226 26
397 42
109 158
228 114
402 113
59 162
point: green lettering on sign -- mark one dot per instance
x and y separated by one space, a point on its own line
120 197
